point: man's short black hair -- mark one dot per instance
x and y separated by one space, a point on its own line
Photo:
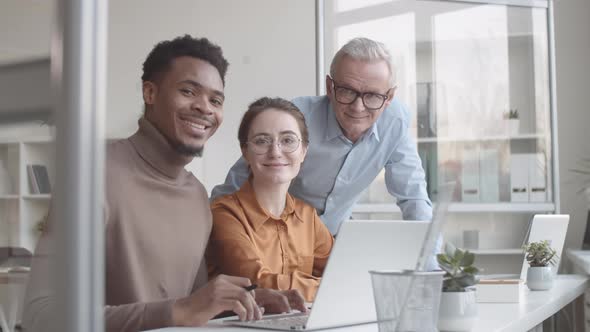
162 55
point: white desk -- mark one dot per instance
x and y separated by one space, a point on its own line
498 317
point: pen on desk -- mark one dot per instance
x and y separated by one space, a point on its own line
251 287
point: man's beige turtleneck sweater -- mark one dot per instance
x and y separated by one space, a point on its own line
157 223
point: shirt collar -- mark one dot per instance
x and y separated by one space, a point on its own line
334 130
155 150
255 213
374 131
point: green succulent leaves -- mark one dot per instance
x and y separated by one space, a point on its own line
458 265
540 253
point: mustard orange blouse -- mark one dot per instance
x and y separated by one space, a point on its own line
283 253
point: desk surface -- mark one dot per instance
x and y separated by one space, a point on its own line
534 308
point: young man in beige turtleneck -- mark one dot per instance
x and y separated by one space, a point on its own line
157 217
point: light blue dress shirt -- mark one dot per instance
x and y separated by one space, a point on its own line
336 171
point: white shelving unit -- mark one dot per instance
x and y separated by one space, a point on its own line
20 210
479 139
508 251
460 67
37 197
465 207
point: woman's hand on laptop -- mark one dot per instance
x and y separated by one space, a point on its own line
220 294
296 300
276 302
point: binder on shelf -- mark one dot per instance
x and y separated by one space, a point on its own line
433 173
426 115
38 179
537 180
470 176
489 171
519 177
430 166
33 187
5 180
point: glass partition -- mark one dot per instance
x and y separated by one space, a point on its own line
52 60
475 78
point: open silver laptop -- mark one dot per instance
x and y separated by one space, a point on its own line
345 295
550 227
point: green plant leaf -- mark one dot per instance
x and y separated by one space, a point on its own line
450 249
443 259
468 259
447 268
459 270
458 256
451 285
466 281
539 253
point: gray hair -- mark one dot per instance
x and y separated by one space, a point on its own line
364 49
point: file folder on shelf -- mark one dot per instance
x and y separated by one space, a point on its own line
537 178
489 171
470 176
519 178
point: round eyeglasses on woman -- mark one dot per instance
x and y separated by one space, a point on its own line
372 101
262 144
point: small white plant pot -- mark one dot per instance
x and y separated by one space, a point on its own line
539 278
458 311
513 127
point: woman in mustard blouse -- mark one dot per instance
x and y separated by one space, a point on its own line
262 232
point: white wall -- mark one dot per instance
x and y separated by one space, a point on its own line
572 28
270 45
25 29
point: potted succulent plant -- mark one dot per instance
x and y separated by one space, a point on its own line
458 308
513 121
540 257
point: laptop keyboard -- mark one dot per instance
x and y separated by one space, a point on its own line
288 322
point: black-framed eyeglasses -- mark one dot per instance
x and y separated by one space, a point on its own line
262 144
371 100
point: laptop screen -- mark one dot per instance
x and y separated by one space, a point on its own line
551 227
345 295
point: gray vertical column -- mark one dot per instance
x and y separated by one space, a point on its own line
319 47
553 105
78 74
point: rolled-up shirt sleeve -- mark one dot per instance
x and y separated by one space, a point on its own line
406 181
